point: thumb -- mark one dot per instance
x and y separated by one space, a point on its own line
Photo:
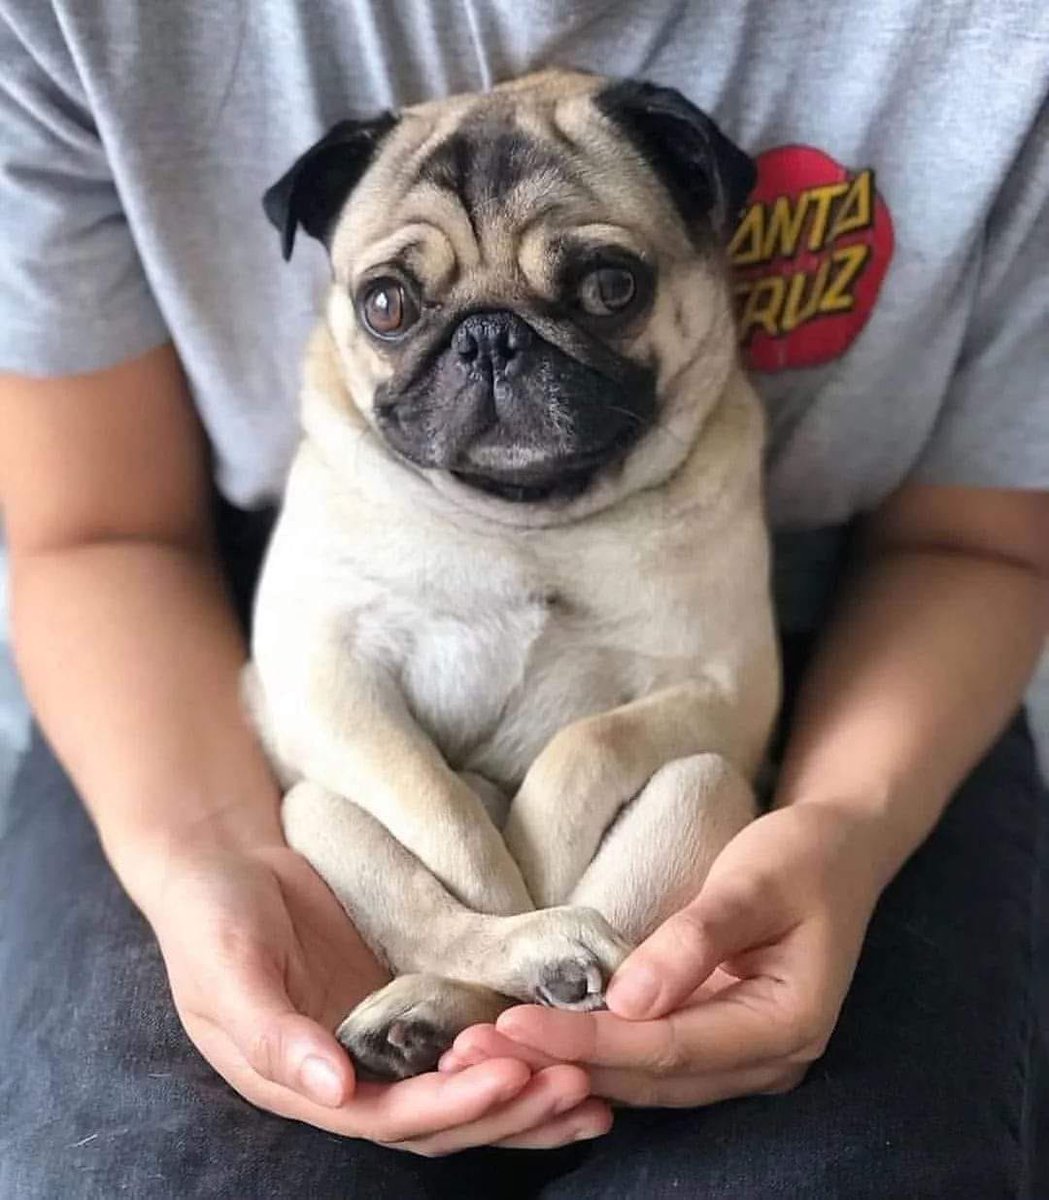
283 1045
683 952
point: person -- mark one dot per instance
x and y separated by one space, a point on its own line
894 292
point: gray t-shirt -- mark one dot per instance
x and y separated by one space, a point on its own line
894 263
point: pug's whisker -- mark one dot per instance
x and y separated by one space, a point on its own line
626 412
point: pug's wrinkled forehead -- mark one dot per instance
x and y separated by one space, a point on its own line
484 180
491 203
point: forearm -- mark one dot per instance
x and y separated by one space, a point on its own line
926 661
131 657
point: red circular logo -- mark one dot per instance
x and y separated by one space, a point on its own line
809 257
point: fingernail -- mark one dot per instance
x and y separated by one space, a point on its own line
320 1081
586 1133
635 992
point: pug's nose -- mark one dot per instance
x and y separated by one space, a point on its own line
492 340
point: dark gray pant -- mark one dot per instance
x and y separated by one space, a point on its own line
928 1088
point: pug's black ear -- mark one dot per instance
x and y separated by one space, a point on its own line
316 186
708 176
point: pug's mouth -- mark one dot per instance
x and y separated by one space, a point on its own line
560 480
565 487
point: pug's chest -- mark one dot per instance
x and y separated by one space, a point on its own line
473 679
458 672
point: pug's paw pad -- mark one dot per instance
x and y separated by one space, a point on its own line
576 984
395 1048
405 1047
564 957
404 1028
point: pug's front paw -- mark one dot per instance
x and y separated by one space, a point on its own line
404 1028
564 957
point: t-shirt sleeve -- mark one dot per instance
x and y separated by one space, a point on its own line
73 295
993 430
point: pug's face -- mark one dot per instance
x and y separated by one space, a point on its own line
529 298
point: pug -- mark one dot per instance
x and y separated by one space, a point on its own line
513 650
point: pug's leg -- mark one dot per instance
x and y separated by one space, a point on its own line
496 804
657 853
456 966
331 717
592 769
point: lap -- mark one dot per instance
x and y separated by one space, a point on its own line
926 1088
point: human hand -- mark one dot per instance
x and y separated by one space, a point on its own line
735 994
263 962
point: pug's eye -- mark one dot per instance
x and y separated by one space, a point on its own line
387 309
607 290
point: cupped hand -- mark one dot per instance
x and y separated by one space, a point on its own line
736 994
263 963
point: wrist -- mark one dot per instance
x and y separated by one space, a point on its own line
861 827
186 832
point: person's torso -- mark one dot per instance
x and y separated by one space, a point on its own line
882 134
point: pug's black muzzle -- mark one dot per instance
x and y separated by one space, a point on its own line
508 411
